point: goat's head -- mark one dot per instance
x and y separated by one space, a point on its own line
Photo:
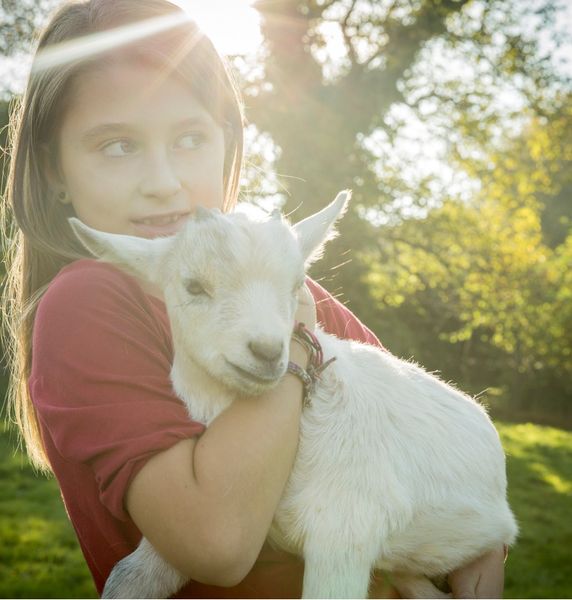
230 284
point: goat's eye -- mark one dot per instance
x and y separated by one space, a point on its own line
195 288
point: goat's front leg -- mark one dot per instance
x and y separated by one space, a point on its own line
143 574
336 572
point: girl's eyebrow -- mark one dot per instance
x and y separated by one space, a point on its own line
103 130
106 129
191 122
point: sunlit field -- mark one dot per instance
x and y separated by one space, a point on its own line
39 556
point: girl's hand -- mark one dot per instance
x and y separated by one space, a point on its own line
380 586
306 312
483 578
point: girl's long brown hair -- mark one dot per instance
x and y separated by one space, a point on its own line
38 239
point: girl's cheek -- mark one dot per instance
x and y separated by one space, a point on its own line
116 172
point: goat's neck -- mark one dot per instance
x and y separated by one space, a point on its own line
204 397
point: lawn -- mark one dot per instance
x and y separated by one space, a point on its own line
540 492
39 553
39 556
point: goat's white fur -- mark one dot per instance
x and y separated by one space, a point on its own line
395 470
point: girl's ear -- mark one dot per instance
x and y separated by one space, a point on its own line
314 231
52 171
138 256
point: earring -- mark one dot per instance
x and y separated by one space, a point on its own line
63 197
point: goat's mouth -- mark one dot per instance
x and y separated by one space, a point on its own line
256 379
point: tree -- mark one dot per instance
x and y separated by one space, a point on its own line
19 20
479 288
338 110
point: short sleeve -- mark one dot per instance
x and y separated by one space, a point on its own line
338 320
100 377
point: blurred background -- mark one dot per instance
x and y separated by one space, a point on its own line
451 120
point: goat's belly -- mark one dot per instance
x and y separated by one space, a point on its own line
438 540
414 491
433 542
401 532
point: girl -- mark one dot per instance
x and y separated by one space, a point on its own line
131 139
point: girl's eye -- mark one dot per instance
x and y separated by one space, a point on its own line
195 288
119 148
190 141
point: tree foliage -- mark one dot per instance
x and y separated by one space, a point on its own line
485 280
344 80
19 20
334 70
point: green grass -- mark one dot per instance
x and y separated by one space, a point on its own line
40 557
540 493
39 553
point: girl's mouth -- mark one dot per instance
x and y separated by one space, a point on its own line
160 220
159 225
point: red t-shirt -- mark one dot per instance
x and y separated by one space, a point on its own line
100 385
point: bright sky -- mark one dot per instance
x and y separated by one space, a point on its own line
233 25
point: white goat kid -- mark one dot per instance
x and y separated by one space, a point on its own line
395 469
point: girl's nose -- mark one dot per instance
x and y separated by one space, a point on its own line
159 178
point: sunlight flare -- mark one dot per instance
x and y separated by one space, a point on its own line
97 43
232 25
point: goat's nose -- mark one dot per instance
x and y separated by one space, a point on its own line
267 350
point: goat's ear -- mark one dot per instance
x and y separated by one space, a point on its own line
314 231
138 256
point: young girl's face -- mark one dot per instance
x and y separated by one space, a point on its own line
138 152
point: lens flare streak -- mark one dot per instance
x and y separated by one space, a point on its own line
92 45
